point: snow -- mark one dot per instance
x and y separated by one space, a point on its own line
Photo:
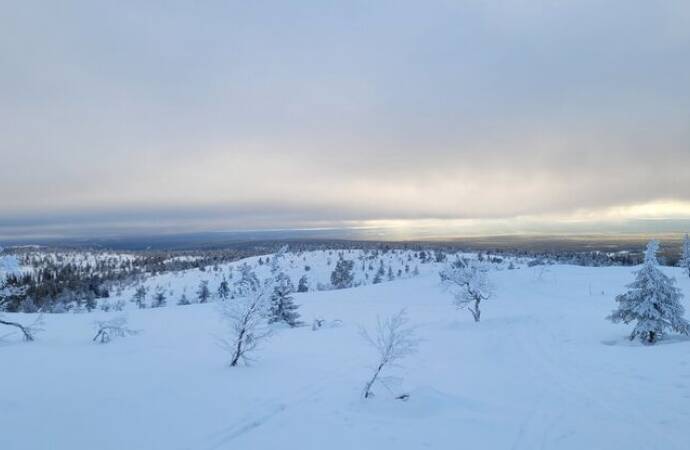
543 369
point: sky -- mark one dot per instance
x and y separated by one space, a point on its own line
467 116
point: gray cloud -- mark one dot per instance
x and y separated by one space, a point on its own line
302 113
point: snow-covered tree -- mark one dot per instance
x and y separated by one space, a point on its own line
159 298
183 301
393 340
652 301
246 321
223 290
469 284
139 297
342 276
203 293
685 255
283 307
303 284
106 330
248 280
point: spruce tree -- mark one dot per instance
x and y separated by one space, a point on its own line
203 293
159 298
342 276
139 297
183 300
685 256
224 290
283 307
303 284
652 301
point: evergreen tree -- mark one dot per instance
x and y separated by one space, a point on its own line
159 298
303 284
653 301
390 275
379 274
342 276
203 293
283 308
139 297
184 300
90 301
224 290
248 280
685 256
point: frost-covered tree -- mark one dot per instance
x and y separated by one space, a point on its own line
652 301
183 301
28 306
685 255
283 307
393 340
469 284
303 284
248 280
223 290
342 276
106 330
139 297
203 293
246 321
159 298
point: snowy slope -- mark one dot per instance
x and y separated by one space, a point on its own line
542 370
317 266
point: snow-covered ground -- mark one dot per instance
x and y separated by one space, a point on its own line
543 369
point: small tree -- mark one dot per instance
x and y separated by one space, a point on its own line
685 255
393 340
653 301
469 285
246 321
159 298
303 284
183 301
224 290
342 276
283 307
203 293
106 330
139 297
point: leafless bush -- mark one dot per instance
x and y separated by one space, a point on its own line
393 340
246 318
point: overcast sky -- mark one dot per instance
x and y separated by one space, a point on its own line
259 114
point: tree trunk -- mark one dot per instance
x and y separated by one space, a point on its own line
367 387
476 313
238 349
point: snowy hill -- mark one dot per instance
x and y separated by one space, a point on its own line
542 370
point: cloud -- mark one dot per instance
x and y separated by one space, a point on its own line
305 113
